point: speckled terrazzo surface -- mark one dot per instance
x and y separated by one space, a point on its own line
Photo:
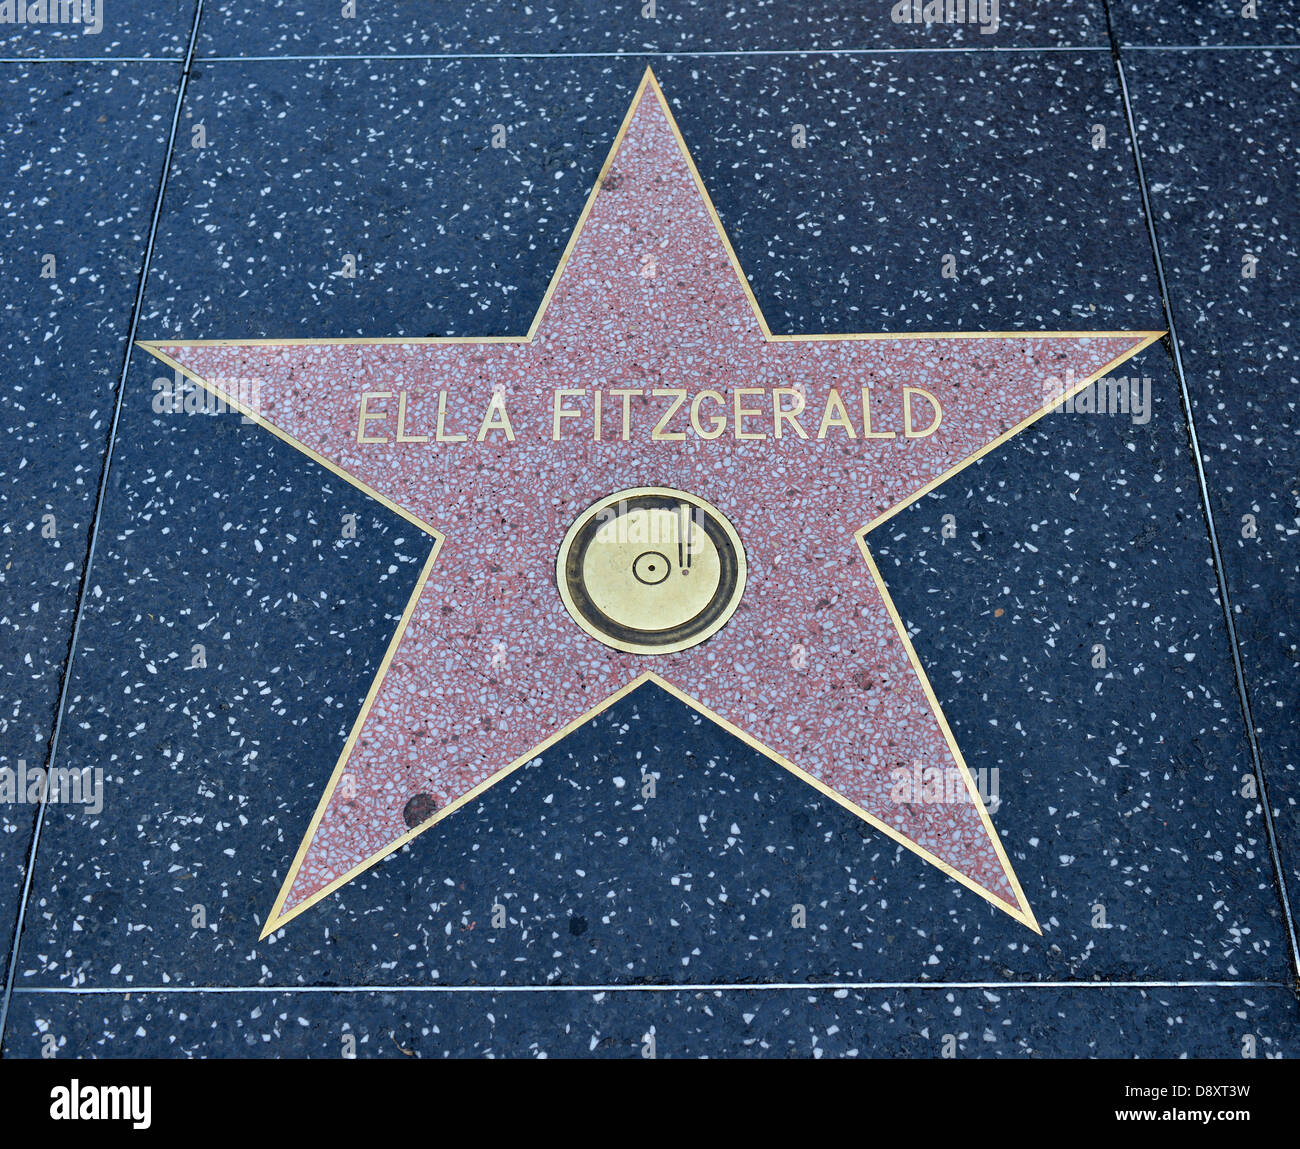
499 26
998 1023
1123 795
106 29
1240 349
65 339
1205 22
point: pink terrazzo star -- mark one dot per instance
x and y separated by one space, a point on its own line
487 669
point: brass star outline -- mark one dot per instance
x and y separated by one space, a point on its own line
1022 913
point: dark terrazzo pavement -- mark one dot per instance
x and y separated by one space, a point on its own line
962 1023
65 331
495 27
1119 787
157 30
1240 348
1204 22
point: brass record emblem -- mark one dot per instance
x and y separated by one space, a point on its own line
651 570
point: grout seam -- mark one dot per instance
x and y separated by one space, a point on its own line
1216 553
79 611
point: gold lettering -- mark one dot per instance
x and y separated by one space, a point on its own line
626 394
495 418
718 422
441 434
402 436
779 415
561 411
835 414
908 429
366 416
678 394
741 412
595 416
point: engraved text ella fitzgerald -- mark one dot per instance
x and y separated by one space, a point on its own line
660 414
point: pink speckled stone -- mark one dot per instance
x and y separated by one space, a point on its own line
490 664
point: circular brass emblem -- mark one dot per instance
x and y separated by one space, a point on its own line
651 570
